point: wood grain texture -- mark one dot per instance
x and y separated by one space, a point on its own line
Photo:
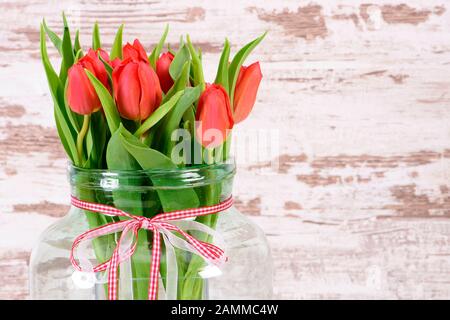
359 92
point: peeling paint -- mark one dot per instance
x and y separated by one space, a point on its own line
398 78
26 139
45 207
315 179
403 13
12 111
414 204
292 205
375 73
400 14
307 22
251 207
352 17
371 161
195 14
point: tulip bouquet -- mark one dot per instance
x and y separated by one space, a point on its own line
119 111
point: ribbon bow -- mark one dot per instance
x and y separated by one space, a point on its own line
158 224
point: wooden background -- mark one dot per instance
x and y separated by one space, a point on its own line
359 93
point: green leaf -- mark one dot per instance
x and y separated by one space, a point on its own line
238 60
66 25
172 121
66 143
66 134
54 38
75 119
199 78
158 114
222 71
109 106
76 44
78 55
118 158
178 62
148 159
95 140
68 57
116 50
96 43
181 41
169 49
180 83
108 68
157 50
196 148
52 77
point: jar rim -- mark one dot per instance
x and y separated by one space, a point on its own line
193 176
221 165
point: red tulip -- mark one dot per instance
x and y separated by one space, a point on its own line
246 89
214 117
162 70
136 52
115 62
81 95
136 89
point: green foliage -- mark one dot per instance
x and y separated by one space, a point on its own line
157 50
222 70
116 50
66 133
57 42
158 114
96 43
238 60
107 101
197 67
178 62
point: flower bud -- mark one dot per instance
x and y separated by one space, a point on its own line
136 89
81 95
136 51
162 70
214 118
246 89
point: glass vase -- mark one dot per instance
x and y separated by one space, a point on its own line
246 274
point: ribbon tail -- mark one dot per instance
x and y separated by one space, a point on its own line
154 269
172 269
116 258
112 275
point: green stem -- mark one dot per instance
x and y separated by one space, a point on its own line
227 147
193 285
81 136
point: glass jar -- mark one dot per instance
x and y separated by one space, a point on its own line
247 273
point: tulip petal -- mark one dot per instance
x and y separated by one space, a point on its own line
213 116
93 64
81 95
128 51
246 90
162 70
148 102
118 68
140 50
104 55
128 92
136 51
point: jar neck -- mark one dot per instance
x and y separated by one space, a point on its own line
148 192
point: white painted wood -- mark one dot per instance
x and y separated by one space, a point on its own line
360 97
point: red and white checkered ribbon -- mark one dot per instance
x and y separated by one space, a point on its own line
157 224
